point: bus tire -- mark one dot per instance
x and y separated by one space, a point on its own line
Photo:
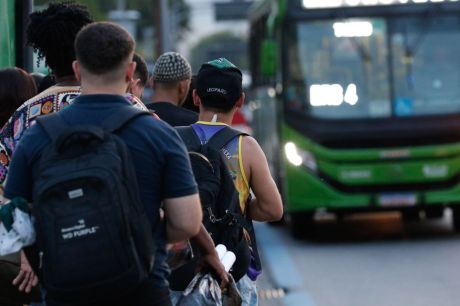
411 214
434 212
301 224
456 218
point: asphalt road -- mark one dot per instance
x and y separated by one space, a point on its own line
367 260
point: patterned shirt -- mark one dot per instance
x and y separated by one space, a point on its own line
51 100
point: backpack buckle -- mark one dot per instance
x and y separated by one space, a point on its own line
229 218
212 217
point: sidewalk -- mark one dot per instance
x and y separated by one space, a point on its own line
280 271
269 295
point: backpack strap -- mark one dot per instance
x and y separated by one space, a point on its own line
189 137
222 137
121 117
53 124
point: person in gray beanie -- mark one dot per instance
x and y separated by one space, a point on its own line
171 79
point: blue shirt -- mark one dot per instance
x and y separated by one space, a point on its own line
159 156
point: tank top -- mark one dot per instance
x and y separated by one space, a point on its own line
232 154
234 162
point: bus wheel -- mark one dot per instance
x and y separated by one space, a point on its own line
456 218
301 224
434 212
410 214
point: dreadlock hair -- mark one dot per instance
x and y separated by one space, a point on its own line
51 32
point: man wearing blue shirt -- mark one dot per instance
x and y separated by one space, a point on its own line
104 66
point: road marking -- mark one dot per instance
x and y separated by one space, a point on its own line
282 269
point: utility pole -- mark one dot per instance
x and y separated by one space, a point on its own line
157 26
121 5
162 27
167 42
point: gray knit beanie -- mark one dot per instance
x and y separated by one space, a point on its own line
171 67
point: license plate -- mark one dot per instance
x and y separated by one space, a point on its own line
397 199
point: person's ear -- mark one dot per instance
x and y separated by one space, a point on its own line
184 86
137 88
76 70
130 87
141 93
130 71
240 101
137 83
196 99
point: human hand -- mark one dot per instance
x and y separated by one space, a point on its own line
213 263
26 279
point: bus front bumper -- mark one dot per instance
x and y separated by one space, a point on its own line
307 192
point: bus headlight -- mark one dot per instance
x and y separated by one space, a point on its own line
299 157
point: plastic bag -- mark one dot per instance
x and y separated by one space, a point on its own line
231 295
204 290
16 228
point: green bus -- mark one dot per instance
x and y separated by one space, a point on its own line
357 105
13 18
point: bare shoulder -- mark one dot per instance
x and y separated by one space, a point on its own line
251 149
252 156
250 144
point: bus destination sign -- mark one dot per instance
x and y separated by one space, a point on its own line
321 4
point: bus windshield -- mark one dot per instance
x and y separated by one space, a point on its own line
374 67
426 65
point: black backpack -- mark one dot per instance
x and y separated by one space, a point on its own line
93 235
222 215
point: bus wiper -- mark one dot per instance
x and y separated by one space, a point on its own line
409 54
364 54
411 50
366 59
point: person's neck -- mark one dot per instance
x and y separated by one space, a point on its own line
67 80
164 96
207 116
89 88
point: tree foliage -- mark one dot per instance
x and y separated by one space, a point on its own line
100 8
221 44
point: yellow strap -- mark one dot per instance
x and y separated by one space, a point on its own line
211 123
240 160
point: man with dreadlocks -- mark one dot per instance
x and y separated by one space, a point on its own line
51 32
